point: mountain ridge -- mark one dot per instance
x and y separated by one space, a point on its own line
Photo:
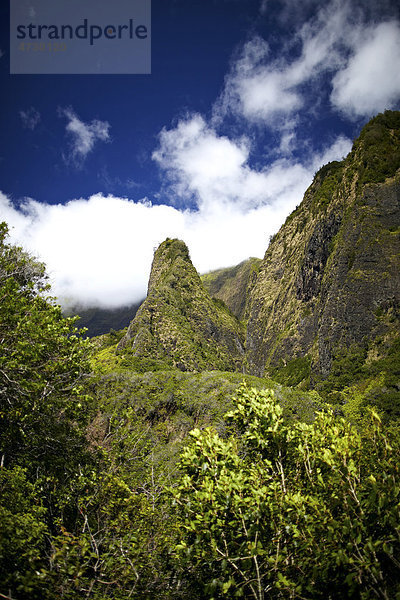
330 276
320 310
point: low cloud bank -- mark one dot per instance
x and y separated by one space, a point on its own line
98 250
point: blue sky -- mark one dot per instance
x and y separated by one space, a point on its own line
246 100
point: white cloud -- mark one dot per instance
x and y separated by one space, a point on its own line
254 89
261 89
215 171
210 168
98 251
359 58
83 136
30 118
370 82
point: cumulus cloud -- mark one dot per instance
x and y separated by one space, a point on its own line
370 81
98 250
260 87
83 136
208 167
215 170
359 58
255 90
30 118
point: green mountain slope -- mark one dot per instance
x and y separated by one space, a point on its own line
321 310
231 285
179 323
325 305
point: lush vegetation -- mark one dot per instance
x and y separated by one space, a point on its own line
362 381
328 177
274 499
90 440
294 372
41 367
290 510
145 464
379 143
232 284
80 511
43 418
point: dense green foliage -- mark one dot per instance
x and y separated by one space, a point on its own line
373 380
41 366
294 372
379 142
85 460
68 495
23 534
291 510
43 418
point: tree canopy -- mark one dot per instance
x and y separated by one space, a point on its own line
291 510
42 362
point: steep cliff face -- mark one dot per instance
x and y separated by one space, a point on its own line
179 323
232 284
330 279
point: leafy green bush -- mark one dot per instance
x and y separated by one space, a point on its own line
290 510
23 528
43 417
375 382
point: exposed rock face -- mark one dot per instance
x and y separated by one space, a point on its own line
308 283
179 322
364 278
231 285
331 277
